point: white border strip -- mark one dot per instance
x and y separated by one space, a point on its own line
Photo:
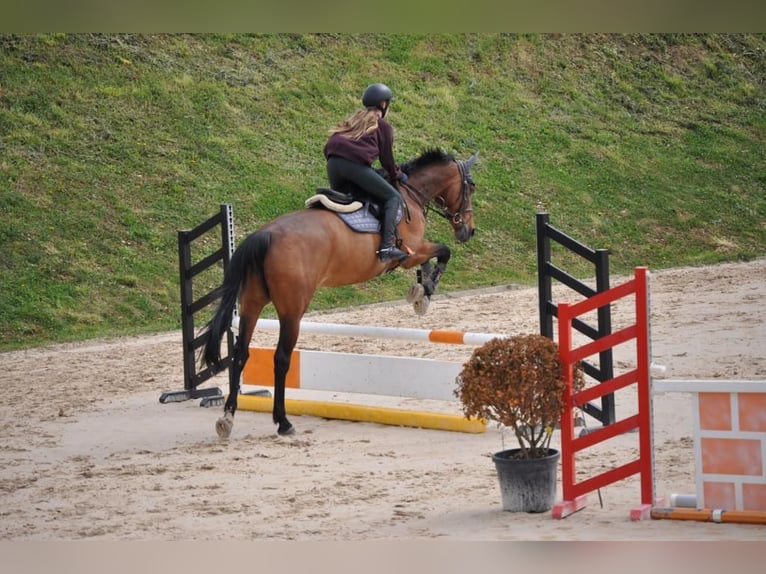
708 386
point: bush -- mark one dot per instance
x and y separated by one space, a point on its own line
519 383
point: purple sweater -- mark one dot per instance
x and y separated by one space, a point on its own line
365 150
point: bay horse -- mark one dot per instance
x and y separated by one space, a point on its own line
286 260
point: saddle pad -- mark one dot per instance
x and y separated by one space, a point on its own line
361 220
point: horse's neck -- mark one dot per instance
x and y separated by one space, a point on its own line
421 194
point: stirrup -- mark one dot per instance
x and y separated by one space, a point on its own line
391 253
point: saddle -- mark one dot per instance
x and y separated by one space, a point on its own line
362 216
334 200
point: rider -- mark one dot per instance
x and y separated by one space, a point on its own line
352 148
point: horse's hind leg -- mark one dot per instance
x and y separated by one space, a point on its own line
224 425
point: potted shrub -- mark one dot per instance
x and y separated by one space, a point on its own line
519 383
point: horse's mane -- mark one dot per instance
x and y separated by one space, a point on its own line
428 157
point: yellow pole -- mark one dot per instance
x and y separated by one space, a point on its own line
364 413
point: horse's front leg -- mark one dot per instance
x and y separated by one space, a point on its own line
279 413
288 337
429 277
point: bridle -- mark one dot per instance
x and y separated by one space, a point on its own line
440 205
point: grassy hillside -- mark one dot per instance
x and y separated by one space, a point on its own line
649 145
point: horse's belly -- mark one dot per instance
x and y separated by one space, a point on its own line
318 243
350 270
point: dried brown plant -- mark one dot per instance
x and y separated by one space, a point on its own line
519 383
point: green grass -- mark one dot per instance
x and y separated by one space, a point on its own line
649 145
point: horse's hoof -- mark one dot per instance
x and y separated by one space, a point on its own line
224 425
415 293
421 306
287 431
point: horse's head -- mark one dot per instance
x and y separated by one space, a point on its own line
459 209
439 178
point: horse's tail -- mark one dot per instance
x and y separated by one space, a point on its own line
246 261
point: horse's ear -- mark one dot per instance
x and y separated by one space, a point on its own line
471 160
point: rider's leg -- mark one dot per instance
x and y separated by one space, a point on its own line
388 250
340 171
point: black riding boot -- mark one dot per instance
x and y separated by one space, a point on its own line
388 250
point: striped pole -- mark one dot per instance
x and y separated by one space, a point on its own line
407 334
710 515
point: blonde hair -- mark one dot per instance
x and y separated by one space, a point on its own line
360 123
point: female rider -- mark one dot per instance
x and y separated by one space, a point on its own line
353 146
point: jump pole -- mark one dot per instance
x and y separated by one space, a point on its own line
710 515
366 413
372 332
368 374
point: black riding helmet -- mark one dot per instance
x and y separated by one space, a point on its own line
376 94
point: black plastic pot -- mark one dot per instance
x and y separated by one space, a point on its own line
527 485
